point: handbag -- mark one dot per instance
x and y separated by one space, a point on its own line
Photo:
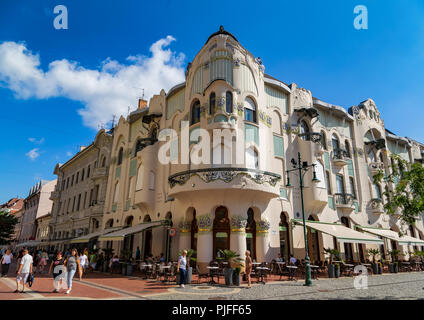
30 280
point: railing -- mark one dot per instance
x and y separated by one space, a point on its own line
340 155
224 174
376 166
345 199
315 137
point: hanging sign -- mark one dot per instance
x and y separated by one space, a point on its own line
172 232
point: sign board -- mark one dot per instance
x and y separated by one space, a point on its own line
172 232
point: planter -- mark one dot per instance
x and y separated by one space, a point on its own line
129 269
228 275
236 279
177 278
337 271
396 268
375 268
189 275
391 268
331 271
124 269
105 266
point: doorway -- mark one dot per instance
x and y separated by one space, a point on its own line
221 231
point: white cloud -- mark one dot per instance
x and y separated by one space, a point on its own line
33 154
35 141
105 91
69 153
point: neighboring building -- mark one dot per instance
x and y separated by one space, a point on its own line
80 192
239 205
43 231
36 205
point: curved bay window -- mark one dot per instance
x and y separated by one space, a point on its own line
221 231
313 244
249 110
229 102
348 250
284 237
195 112
194 231
251 233
212 102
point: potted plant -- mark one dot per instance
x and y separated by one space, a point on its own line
236 276
233 260
189 257
125 257
394 266
333 268
375 266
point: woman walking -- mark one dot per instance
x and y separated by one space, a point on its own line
248 264
43 261
83 262
72 264
5 261
58 269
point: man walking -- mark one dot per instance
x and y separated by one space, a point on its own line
182 268
25 269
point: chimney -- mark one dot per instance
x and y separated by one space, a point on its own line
142 103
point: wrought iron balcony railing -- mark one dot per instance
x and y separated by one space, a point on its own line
224 174
315 137
340 154
344 199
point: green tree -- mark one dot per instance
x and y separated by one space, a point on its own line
407 194
7 226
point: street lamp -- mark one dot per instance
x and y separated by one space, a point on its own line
302 168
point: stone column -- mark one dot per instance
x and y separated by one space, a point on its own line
238 242
262 245
184 240
204 248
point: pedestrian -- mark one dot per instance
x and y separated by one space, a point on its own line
83 262
92 261
73 265
6 259
137 254
18 259
24 271
293 260
248 268
182 268
58 269
43 262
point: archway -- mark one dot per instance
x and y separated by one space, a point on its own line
347 246
194 229
313 243
221 231
251 233
284 237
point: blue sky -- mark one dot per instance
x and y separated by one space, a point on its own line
312 43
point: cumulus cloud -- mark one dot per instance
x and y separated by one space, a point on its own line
33 154
105 91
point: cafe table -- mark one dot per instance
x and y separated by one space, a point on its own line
212 269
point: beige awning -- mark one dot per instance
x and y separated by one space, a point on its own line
32 243
87 237
393 235
120 234
341 232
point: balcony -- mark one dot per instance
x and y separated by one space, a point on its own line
340 157
100 173
377 206
375 167
55 195
96 207
344 201
225 178
310 145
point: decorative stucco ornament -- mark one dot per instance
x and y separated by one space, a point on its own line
204 222
302 98
184 226
263 225
238 223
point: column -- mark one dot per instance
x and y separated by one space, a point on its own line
262 245
204 248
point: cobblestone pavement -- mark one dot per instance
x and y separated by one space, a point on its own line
105 286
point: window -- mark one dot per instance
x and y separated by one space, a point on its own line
139 184
82 175
72 180
249 110
252 161
116 192
278 146
88 172
229 102
327 181
347 146
335 142
340 184
79 202
120 156
103 162
377 191
212 103
195 112
304 130
352 187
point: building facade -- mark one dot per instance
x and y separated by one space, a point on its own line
176 162
80 192
36 205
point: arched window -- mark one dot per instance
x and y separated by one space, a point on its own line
221 231
323 140
229 102
103 164
212 100
252 159
347 146
335 142
120 156
304 130
251 233
195 112
249 110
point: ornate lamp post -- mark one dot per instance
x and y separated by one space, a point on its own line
302 168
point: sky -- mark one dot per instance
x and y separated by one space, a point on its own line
59 86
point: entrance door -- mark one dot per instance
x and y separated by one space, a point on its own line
284 237
251 233
221 231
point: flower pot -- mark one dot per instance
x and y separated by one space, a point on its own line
331 271
236 279
129 269
391 268
228 276
375 268
396 268
189 275
124 269
337 271
105 266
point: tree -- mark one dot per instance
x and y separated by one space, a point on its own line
406 197
7 226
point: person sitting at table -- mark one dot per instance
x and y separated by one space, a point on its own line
114 264
162 258
293 260
279 258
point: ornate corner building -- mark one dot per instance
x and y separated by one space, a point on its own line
225 205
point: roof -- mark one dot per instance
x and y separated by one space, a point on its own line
221 31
